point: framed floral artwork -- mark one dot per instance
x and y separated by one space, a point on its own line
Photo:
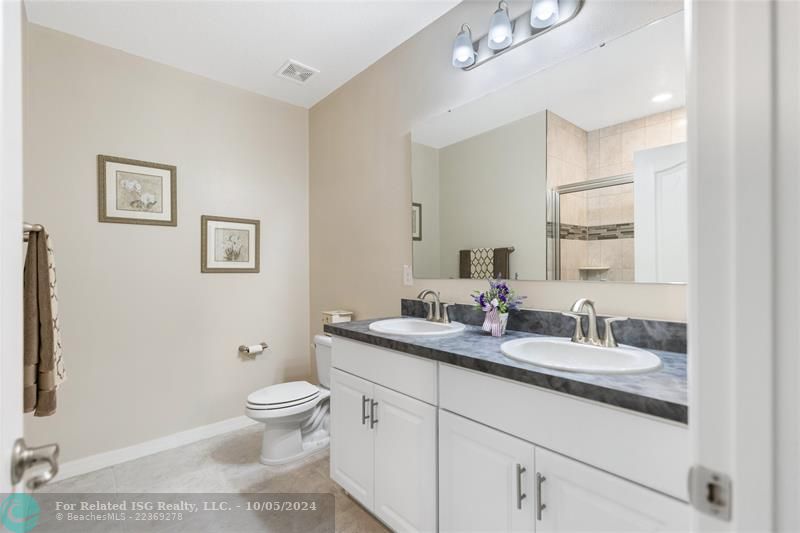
229 244
136 192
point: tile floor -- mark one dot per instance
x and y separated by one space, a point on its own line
227 463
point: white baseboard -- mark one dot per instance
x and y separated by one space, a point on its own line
121 455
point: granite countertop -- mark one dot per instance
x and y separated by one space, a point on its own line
662 393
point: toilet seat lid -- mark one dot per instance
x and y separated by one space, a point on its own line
283 392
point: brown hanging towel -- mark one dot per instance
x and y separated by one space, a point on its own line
502 262
43 368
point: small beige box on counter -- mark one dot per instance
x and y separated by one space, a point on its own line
334 317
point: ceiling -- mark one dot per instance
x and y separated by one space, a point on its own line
604 86
243 43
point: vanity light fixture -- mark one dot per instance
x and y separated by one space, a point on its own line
500 31
544 13
505 34
662 97
463 51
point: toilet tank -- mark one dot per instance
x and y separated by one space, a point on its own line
322 347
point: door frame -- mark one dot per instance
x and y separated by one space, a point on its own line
787 228
743 315
11 418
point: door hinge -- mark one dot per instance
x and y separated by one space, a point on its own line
710 492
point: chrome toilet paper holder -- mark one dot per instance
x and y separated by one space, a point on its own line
248 350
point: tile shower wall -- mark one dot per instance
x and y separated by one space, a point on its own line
610 150
609 216
606 213
610 153
567 146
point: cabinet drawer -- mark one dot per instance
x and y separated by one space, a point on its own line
411 375
651 452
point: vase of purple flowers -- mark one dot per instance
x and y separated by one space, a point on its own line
496 303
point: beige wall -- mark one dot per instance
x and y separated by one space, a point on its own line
150 342
477 210
458 186
425 176
360 172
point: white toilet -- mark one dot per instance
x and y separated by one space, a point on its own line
295 414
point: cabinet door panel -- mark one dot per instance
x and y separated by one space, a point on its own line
581 498
405 461
478 488
351 439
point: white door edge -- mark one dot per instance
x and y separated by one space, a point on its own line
11 246
731 290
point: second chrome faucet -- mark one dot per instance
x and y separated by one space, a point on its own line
586 306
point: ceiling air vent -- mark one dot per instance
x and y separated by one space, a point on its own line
297 72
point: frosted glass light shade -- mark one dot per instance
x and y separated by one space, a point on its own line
463 52
500 32
544 13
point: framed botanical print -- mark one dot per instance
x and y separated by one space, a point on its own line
416 222
136 192
229 244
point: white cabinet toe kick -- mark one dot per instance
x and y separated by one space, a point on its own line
427 446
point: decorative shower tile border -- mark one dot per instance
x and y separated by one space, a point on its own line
610 231
575 232
569 231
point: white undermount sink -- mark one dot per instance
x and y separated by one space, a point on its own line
415 326
563 354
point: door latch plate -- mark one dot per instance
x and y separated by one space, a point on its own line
710 492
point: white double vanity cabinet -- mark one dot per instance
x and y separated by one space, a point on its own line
429 446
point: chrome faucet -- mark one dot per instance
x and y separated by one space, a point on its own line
576 312
434 308
584 305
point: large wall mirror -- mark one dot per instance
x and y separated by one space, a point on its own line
577 172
